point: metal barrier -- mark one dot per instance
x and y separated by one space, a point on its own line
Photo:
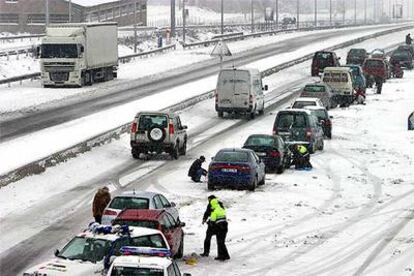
227 35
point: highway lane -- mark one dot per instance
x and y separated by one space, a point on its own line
37 120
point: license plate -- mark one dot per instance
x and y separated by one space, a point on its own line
225 101
229 170
261 154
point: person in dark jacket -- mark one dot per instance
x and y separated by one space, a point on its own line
100 201
220 226
301 157
210 227
196 170
408 39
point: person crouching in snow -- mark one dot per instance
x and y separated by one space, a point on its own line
196 170
301 157
100 201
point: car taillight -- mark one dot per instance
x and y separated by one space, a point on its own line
243 168
110 213
171 128
134 127
274 153
308 133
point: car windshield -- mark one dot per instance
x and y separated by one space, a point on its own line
288 120
320 114
140 223
402 54
235 80
374 63
314 88
146 122
136 271
59 51
231 156
260 141
86 249
128 202
357 52
301 104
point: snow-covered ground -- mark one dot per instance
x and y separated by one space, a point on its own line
351 215
71 133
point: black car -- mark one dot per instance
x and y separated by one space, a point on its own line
408 48
271 149
323 119
356 56
403 57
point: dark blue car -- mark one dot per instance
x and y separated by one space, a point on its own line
236 168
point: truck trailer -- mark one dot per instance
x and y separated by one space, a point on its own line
78 54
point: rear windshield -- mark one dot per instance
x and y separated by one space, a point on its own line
147 122
335 77
320 114
235 80
121 203
301 104
136 271
357 52
260 141
314 88
231 156
374 63
323 56
287 120
402 54
141 223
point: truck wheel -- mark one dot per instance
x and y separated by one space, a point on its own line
261 111
88 78
135 153
180 252
109 74
175 153
252 115
253 185
220 114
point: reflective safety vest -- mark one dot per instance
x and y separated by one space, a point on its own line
302 149
218 213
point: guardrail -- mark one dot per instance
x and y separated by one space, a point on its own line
14 37
71 152
122 59
227 35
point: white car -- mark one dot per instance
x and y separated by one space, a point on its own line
93 251
136 264
137 200
306 101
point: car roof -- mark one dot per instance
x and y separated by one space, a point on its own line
134 232
375 58
143 194
169 114
342 69
260 135
307 99
295 110
144 261
140 214
236 150
314 107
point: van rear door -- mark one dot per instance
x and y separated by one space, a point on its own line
241 84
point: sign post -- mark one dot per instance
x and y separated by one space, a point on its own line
221 49
411 121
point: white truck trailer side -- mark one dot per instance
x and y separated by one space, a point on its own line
79 54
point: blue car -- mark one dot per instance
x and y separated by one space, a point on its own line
236 168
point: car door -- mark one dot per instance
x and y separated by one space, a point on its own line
181 131
168 231
259 165
168 206
176 230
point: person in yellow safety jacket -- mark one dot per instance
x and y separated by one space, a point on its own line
302 157
219 221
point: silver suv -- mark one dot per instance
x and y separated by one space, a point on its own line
158 132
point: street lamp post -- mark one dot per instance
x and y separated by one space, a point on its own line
222 16
330 12
172 20
70 11
316 13
365 11
252 15
297 13
277 14
183 21
47 12
355 12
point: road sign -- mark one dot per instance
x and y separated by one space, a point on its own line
220 50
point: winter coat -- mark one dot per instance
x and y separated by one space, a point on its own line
100 201
208 211
218 214
408 40
192 172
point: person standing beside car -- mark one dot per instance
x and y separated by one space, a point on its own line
100 201
210 227
196 170
408 39
220 226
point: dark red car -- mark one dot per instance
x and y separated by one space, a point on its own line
156 219
322 59
374 68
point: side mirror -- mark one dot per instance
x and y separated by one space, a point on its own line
338 58
182 224
172 204
212 158
57 252
330 117
82 49
184 127
266 87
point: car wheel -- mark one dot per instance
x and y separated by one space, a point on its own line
175 153
180 252
253 185
263 181
321 146
280 169
210 186
135 154
220 114
183 150
312 148
252 115
329 135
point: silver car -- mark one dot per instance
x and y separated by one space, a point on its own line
322 91
137 200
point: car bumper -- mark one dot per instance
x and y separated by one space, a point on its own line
234 109
230 181
151 147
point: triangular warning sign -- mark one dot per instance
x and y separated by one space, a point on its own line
221 49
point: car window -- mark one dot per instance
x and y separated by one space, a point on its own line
140 223
164 201
171 271
373 63
166 222
118 244
176 269
314 88
157 202
170 218
288 120
301 104
255 157
260 141
155 241
88 249
231 156
136 271
146 122
121 203
179 125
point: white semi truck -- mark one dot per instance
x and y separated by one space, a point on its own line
79 54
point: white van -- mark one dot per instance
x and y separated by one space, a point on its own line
340 79
240 91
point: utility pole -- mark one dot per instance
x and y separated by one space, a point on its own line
330 12
183 21
47 12
252 15
316 13
297 13
70 11
365 11
375 10
172 20
355 12
135 27
222 16
277 14
344 12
